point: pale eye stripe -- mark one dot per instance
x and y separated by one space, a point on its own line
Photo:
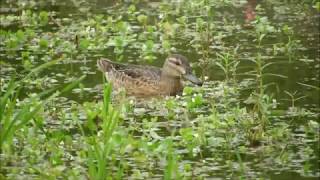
174 60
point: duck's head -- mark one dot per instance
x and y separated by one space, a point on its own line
177 66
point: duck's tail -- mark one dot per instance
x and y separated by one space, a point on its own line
104 65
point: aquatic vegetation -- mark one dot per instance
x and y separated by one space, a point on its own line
228 63
256 116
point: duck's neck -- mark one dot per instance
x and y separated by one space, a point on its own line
170 84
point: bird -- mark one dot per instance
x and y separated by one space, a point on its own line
146 81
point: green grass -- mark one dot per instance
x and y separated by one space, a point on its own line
100 146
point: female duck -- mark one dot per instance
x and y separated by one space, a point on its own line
149 80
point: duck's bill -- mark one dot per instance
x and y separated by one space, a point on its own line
192 78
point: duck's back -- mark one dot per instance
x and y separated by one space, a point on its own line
136 80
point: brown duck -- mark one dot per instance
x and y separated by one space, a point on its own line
144 81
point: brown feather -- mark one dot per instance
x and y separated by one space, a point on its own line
144 80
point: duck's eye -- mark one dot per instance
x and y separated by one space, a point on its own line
176 62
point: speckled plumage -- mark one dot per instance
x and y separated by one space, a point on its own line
140 80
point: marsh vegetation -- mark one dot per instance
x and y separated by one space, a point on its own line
255 117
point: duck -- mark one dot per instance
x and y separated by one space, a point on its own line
146 81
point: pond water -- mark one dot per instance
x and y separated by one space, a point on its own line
81 32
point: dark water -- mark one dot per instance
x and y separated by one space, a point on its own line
302 68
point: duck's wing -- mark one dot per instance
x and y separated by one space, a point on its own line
132 71
135 79
142 72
